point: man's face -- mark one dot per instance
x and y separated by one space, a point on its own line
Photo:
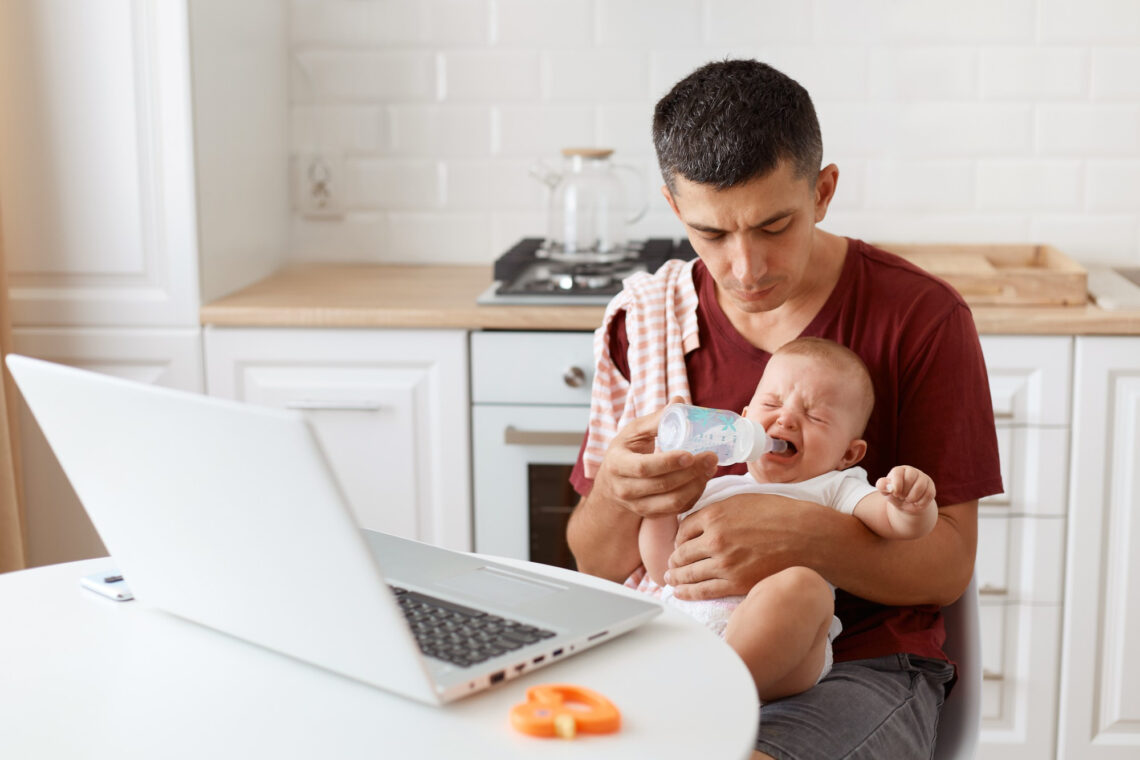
756 239
803 401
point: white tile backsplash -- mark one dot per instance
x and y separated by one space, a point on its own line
751 22
1114 186
1116 74
1090 130
353 75
926 186
935 22
1092 22
1030 185
440 131
924 73
964 130
623 23
977 121
394 184
490 76
1028 73
344 129
595 76
540 131
544 25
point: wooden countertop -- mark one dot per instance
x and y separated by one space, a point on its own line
376 295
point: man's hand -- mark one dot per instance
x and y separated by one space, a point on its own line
633 481
646 482
728 546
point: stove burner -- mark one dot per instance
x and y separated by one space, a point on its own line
532 273
555 252
592 280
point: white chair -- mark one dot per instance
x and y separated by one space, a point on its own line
961 715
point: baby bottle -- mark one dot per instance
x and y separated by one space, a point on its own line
698 429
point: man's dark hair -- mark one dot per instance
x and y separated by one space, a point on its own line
732 121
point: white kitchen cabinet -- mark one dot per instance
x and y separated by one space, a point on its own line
1100 674
389 407
58 527
129 194
1021 535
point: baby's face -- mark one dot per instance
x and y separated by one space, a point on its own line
813 408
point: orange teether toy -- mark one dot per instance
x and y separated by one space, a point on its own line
563 710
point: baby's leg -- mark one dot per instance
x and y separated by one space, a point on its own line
655 541
780 631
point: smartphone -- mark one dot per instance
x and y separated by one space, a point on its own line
109 584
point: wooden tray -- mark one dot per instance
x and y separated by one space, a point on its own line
1002 275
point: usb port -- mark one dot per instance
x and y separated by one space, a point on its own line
496 677
539 659
556 653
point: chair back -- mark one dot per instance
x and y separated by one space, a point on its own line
960 721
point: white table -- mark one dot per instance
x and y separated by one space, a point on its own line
84 676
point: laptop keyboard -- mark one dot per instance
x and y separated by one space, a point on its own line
462 635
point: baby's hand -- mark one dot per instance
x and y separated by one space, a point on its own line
907 488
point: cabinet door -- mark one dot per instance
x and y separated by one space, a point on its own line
97 196
1021 535
1100 679
58 527
389 408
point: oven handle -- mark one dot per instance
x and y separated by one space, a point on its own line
334 406
512 436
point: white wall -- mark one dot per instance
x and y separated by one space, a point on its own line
975 121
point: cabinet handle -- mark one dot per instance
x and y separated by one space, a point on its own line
574 377
989 675
988 590
335 406
1003 415
515 437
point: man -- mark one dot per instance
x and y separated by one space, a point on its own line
740 150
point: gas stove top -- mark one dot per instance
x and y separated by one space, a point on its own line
530 274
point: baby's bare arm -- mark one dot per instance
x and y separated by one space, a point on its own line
656 539
903 507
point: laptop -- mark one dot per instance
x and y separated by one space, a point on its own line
228 515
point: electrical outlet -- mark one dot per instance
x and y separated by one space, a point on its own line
318 183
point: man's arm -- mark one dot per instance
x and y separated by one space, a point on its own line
727 547
632 482
603 539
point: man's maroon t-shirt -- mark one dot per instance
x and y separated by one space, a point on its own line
932 409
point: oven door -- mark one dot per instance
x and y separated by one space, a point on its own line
523 455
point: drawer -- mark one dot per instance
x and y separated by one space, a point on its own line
1020 652
532 367
1034 470
1030 378
1020 559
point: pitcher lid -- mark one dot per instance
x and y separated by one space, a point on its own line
588 152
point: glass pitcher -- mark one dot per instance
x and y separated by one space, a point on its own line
590 204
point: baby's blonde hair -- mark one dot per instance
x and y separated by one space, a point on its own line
843 360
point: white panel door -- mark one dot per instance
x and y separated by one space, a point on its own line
1100 677
97 189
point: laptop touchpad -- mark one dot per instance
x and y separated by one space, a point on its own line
497 587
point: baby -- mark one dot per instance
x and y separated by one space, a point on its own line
816 395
